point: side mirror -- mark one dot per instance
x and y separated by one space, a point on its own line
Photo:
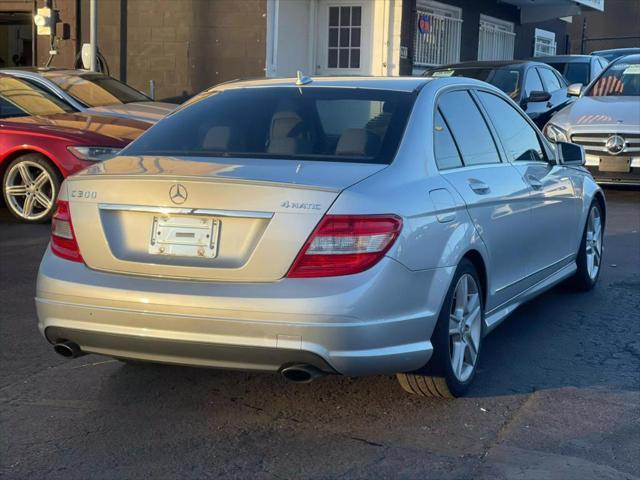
539 96
570 154
574 90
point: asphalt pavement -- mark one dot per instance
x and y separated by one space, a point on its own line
557 396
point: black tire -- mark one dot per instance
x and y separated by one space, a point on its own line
437 378
36 160
582 280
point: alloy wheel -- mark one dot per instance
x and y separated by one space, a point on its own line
594 243
30 190
465 327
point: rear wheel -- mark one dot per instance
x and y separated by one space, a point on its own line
456 341
30 186
589 258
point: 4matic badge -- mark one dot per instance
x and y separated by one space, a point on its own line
300 205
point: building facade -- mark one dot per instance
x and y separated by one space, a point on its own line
619 27
185 46
403 37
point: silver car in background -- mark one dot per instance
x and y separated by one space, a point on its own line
352 226
94 92
606 121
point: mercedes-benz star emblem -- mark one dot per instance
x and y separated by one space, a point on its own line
615 144
178 194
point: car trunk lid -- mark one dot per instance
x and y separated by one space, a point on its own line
208 219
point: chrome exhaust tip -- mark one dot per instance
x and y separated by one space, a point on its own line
301 373
68 349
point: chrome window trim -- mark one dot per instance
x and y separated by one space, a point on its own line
207 212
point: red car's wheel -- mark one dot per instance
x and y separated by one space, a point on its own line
30 187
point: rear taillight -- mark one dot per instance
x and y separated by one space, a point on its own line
346 244
63 239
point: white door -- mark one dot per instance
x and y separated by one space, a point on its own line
344 38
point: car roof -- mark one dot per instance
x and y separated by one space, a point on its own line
46 72
565 58
625 58
406 84
610 50
488 64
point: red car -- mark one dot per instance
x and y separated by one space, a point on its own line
43 140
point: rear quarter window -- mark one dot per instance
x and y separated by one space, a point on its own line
444 147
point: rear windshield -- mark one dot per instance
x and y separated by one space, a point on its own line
573 72
96 89
308 123
506 79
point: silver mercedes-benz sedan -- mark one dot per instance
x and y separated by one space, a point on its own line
606 121
350 226
93 93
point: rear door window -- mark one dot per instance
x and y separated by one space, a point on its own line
518 137
468 127
445 150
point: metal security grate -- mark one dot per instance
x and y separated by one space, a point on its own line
495 43
544 46
437 39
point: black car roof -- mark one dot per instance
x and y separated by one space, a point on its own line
489 64
566 58
634 57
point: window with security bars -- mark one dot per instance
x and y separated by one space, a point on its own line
345 30
496 39
544 43
438 34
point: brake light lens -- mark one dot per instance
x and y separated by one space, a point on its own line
63 239
346 244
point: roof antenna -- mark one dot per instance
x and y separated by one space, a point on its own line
301 79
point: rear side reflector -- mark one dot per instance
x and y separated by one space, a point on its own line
63 240
346 244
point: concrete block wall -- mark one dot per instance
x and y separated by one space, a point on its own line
185 46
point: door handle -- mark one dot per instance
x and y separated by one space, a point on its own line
478 186
535 183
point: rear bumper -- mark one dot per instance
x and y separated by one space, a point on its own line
376 322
